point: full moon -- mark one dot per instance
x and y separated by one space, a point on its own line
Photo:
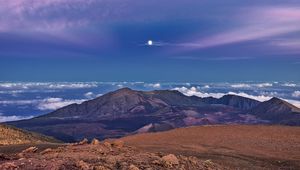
150 42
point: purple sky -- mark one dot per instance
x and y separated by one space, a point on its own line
197 36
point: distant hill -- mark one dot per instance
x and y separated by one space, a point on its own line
238 102
277 111
11 135
126 111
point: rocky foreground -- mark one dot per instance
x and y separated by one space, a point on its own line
99 156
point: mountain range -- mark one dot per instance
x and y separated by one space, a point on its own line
126 111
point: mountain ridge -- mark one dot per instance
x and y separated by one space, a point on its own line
126 111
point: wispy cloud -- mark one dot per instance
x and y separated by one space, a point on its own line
255 23
211 58
34 15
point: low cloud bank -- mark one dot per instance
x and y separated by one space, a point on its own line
13 118
44 104
56 103
153 85
47 85
296 94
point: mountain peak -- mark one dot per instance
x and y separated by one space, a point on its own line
276 100
125 89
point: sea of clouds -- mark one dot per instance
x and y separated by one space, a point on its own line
24 100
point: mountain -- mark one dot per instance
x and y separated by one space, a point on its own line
125 102
11 135
126 111
233 100
277 111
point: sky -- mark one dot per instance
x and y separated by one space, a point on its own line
192 40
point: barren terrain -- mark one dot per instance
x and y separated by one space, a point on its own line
10 135
199 147
99 156
231 146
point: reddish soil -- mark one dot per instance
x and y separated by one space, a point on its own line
231 146
99 156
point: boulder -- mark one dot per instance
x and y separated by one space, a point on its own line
32 149
84 141
133 167
118 144
95 142
170 160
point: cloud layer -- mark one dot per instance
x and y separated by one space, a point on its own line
13 118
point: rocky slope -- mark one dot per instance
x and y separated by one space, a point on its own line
230 146
11 135
100 156
127 111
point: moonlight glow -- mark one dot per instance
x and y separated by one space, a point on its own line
150 42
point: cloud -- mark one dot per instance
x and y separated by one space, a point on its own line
91 95
39 15
289 85
211 59
260 98
12 118
193 91
206 87
293 102
264 85
18 102
254 24
44 104
154 85
72 85
242 85
296 94
48 85
56 103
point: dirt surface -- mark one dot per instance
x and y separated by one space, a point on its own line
10 135
231 146
99 156
12 149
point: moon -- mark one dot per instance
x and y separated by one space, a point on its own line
150 42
